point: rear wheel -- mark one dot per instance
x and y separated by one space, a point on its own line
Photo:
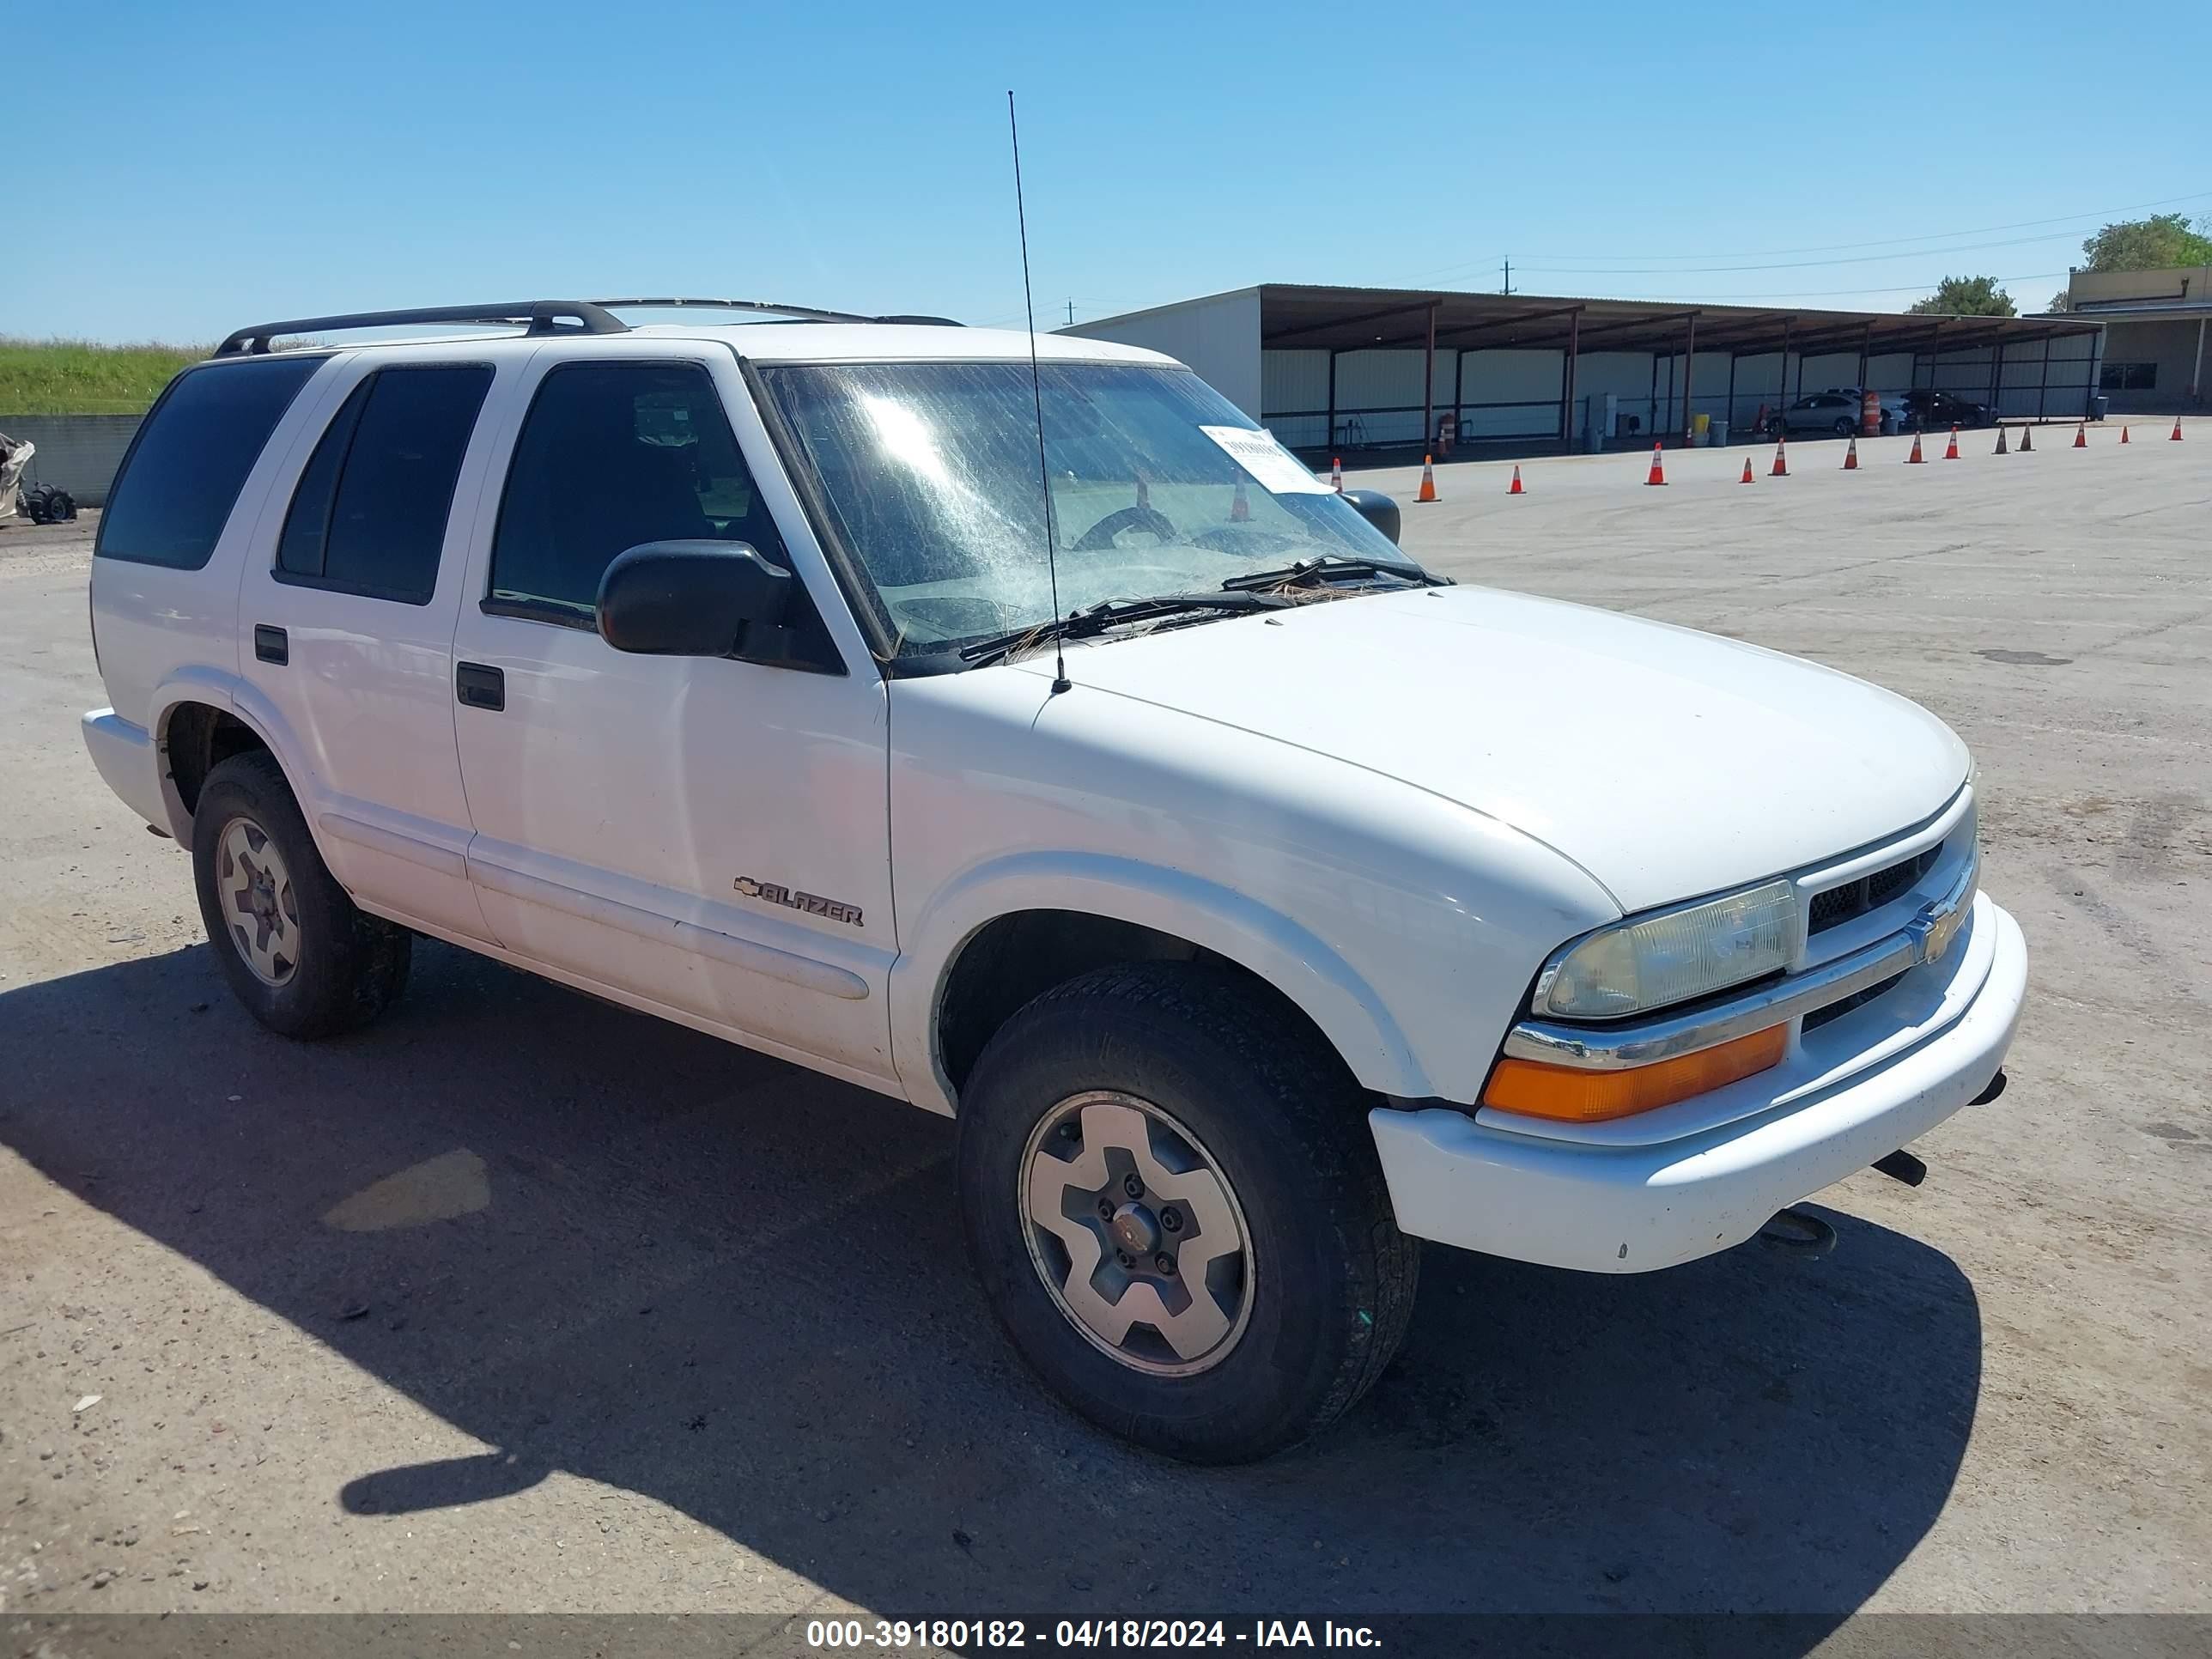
1172 1197
297 952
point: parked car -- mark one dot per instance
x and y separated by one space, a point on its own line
1259 901
1835 410
1935 411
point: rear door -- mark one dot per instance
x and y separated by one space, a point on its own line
346 621
709 836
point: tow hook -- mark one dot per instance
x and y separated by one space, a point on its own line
1799 1232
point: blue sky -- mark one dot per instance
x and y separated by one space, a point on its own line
199 166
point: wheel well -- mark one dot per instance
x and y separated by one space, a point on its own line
1016 958
197 740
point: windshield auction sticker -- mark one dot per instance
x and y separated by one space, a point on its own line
1274 467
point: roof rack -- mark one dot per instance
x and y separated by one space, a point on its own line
533 316
809 314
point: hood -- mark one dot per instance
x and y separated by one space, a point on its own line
1667 763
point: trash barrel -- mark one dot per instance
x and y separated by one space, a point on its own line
1701 430
2097 404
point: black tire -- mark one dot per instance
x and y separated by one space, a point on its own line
1333 1278
351 965
1847 429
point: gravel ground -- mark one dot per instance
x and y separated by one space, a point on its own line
521 1302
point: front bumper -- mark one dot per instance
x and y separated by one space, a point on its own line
1627 1202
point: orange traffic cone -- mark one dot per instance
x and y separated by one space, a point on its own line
1657 475
2082 435
1746 478
1515 487
1951 453
2000 442
1781 467
2176 437
1336 475
1916 458
2124 433
2027 440
1240 510
1428 481
1851 457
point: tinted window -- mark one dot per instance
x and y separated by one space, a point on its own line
612 455
308 522
190 457
369 514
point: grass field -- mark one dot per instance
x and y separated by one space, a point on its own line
76 377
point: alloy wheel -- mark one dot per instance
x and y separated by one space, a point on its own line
258 906
1136 1234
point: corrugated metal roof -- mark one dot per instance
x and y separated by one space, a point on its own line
2178 305
1365 318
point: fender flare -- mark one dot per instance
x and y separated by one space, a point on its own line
252 708
1283 953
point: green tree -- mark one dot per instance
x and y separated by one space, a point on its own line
2152 244
1966 296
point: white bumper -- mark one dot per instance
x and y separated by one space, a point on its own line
128 763
1627 1208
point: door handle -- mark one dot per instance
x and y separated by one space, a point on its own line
478 686
271 644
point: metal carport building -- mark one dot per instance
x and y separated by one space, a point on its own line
1346 370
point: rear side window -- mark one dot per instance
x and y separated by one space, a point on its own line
369 516
190 457
612 455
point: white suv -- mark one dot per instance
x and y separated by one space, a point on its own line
1316 905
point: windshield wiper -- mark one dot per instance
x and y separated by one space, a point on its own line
1332 569
1086 621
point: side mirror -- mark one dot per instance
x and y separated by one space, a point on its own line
690 599
1378 509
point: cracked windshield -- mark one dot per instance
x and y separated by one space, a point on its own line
1159 486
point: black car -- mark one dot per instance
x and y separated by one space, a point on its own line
1932 411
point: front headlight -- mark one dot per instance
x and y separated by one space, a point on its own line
1635 966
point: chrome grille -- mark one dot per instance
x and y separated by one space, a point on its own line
1869 892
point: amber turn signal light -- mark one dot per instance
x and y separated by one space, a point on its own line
1568 1094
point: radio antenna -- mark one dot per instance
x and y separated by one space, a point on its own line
1059 682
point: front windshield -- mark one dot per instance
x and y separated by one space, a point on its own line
1159 485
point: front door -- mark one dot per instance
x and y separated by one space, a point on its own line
707 834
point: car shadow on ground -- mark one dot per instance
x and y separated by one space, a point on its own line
602 1244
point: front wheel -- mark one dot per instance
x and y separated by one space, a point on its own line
1172 1195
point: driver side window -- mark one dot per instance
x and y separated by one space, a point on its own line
611 455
